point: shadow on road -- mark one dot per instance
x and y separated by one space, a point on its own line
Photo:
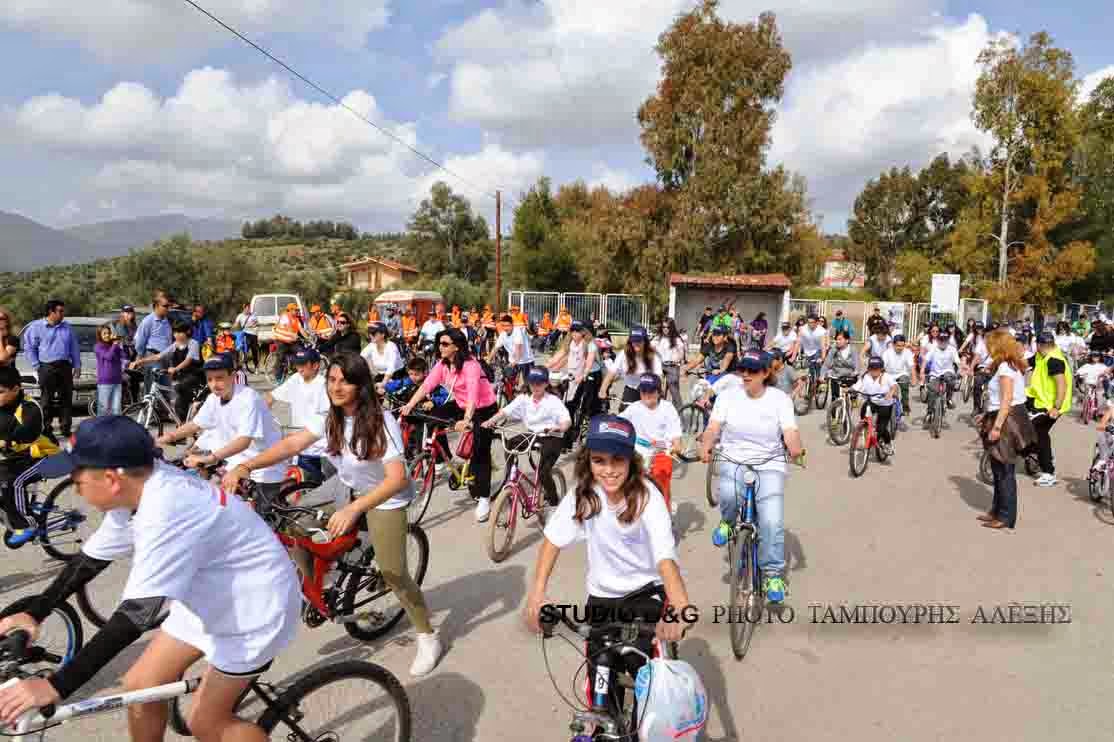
699 654
974 493
795 559
18 580
689 519
1078 488
460 700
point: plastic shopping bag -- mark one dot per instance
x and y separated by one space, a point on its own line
672 702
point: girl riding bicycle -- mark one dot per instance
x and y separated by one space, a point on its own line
625 522
879 388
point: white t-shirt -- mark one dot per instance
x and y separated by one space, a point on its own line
246 414
752 428
212 555
387 362
659 424
431 328
670 353
898 364
517 345
994 387
878 347
621 558
868 385
1090 372
632 376
812 340
1069 344
364 476
307 401
576 357
940 362
727 381
784 342
550 412
980 352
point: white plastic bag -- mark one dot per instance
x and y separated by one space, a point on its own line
672 702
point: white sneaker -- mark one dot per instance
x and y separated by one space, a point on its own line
673 506
429 651
1046 480
483 509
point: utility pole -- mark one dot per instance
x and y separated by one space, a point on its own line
498 251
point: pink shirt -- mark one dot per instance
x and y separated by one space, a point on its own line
468 385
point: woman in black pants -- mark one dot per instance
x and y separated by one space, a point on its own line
471 402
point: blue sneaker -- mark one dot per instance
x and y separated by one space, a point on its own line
722 534
774 587
17 538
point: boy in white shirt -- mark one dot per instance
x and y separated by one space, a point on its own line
1093 372
658 429
876 382
239 423
942 360
785 341
902 368
304 391
544 413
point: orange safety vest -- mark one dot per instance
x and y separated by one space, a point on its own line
456 317
288 329
372 315
409 327
489 319
226 343
564 321
546 325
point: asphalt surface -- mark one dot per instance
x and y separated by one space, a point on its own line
904 534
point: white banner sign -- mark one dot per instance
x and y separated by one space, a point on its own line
894 313
945 292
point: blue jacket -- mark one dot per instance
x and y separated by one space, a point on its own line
203 329
404 389
47 343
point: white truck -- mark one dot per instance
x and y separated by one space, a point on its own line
269 307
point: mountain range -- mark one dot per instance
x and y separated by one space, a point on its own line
26 245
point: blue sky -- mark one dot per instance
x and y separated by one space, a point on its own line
144 106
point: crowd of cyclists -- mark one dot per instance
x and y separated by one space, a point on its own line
351 398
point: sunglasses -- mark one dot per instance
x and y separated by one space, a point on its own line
342 324
446 344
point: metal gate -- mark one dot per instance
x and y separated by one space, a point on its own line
975 309
587 308
624 311
923 314
802 308
537 303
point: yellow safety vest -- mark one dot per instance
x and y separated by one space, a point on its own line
42 446
1042 387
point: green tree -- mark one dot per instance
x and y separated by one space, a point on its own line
885 221
539 258
440 229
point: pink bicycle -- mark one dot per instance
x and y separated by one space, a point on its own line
520 492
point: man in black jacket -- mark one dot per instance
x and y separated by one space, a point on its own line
23 444
344 340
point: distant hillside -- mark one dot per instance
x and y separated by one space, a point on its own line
128 233
26 245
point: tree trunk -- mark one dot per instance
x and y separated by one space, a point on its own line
1003 235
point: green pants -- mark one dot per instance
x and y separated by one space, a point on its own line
387 529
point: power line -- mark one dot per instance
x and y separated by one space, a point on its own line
337 100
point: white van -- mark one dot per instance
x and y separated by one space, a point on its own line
269 307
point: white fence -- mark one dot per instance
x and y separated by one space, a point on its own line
618 312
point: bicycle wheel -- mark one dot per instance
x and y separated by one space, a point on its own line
879 453
802 403
924 393
858 455
986 473
968 385
937 416
1096 485
504 518
820 395
743 600
97 603
380 709
1032 465
147 416
384 609
271 367
65 521
710 484
694 420
60 633
839 423
423 475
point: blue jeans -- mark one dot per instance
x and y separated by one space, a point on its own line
109 398
769 506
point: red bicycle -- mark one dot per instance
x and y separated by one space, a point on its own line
340 580
423 468
865 438
519 493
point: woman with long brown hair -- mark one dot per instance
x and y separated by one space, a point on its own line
364 444
1005 428
638 358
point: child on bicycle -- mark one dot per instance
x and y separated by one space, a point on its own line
874 383
233 594
625 522
543 413
304 392
1093 372
658 428
401 390
24 442
841 363
1105 440
941 362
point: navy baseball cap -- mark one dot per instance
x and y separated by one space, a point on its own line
611 434
899 338
649 383
576 325
638 334
220 362
108 442
1046 338
306 355
375 327
875 362
719 330
127 308
753 360
538 375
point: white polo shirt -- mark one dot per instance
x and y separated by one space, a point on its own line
550 412
306 401
245 415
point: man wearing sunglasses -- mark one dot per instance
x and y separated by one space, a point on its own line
153 335
344 340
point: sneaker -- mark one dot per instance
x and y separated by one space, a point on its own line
1046 480
19 537
673 507
722 534
774 587
429 651
483 509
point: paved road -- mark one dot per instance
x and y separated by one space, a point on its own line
904 533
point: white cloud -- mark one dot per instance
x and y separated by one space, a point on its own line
1091 81
216 145
124 29
614 180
